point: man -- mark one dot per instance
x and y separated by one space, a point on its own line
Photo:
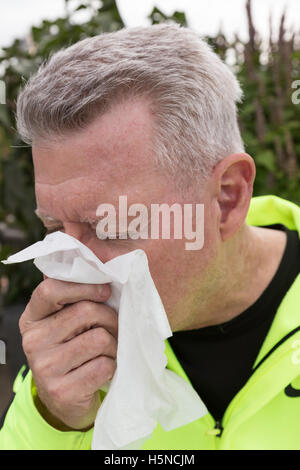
150 113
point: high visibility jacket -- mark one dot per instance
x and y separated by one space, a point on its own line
265 413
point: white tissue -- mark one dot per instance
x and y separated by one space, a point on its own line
142 391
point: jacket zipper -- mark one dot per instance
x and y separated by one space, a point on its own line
219 427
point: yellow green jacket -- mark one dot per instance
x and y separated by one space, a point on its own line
265 413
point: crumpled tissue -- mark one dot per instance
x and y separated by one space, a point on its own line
142 392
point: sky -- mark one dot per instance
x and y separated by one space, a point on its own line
204 16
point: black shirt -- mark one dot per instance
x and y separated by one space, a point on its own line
219 359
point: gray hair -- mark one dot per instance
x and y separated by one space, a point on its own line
193 94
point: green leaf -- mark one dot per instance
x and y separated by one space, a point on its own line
266 160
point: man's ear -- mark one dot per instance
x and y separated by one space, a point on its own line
232 180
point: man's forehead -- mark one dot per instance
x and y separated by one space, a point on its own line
110 158
115 145
77 198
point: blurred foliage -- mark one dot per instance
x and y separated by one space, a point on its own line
269 120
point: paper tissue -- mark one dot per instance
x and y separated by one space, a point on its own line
142 391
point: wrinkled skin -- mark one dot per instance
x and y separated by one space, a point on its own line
69 335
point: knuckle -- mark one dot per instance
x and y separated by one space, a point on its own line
23 320
56 391
84 308
42 366
82 341
100 337
96 340
21 324
94 375
107 367
29 342
43 290
112 313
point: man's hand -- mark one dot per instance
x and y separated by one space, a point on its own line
70 341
